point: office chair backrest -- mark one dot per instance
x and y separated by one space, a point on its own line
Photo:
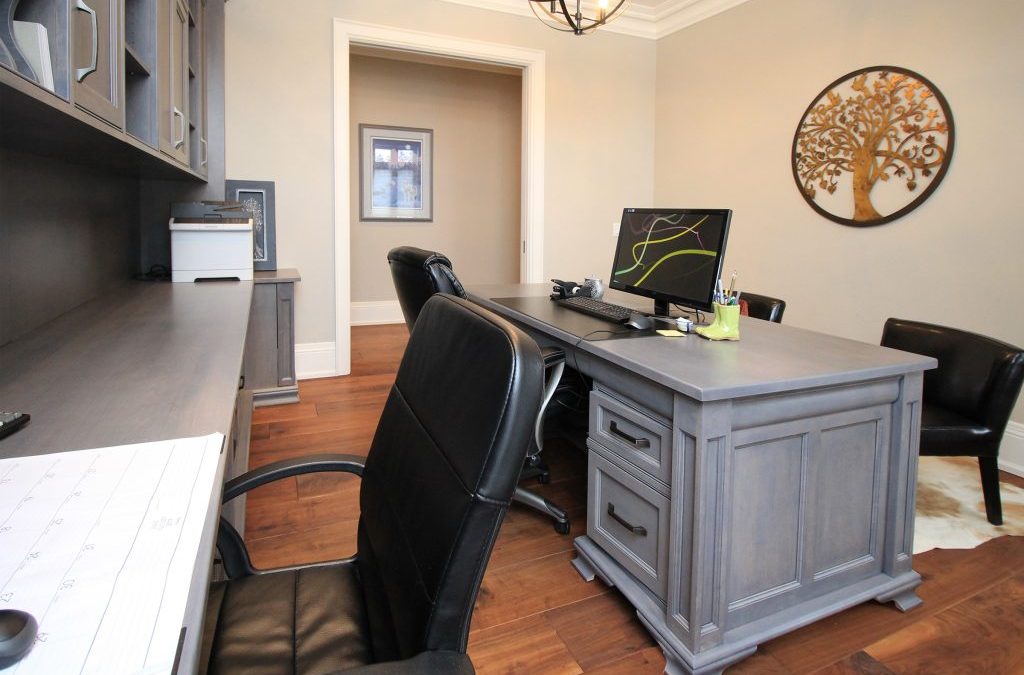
418 274
440 473
977 377
764 307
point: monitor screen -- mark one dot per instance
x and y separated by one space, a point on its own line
671 255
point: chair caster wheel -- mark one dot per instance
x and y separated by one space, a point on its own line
562 528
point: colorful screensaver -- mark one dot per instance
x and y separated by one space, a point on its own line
671 253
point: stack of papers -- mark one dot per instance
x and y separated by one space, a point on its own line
100 546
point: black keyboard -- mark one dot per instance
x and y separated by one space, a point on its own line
11 422
598 308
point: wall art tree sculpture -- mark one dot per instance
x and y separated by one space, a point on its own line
872 146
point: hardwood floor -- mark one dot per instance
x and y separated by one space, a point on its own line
536 615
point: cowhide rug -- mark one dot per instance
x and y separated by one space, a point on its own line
951 509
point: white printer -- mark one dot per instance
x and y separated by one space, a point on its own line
210 240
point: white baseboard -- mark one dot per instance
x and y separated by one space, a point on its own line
314 359
376 313
1011 452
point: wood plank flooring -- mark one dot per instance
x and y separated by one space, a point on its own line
536 615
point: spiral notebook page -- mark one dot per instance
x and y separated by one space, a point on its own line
100 546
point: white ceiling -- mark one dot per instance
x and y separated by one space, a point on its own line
650 19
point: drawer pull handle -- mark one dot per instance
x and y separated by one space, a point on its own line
635 529
635 442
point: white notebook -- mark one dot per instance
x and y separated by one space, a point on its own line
34 45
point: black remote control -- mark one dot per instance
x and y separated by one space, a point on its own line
11 422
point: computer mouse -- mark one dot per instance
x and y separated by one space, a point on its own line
640 322
17 635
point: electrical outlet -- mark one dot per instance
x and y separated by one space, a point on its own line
615 228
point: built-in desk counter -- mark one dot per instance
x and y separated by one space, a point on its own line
144 362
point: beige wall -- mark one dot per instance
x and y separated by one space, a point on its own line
599 122
730 91
476 120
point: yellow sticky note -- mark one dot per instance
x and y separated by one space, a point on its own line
671 333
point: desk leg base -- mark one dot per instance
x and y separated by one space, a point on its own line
905 600
585 565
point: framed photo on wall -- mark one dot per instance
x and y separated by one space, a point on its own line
257 196
396 177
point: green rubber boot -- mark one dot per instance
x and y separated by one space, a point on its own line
726 325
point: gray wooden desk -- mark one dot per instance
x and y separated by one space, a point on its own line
740 490
144 362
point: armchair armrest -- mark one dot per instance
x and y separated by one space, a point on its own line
229 542
424 663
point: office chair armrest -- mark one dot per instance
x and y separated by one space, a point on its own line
291 467
424 663
552 356
230 543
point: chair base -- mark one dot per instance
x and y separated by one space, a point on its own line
535 501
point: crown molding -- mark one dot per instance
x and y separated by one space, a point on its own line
638 21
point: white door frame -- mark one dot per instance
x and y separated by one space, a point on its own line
347 33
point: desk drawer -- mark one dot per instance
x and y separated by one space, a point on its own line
633 434
629 520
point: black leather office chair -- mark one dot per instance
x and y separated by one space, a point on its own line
968 399
436 483
417 275
764 307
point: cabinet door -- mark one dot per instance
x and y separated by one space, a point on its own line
172 72
96 58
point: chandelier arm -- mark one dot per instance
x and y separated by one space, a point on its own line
533 4
576 28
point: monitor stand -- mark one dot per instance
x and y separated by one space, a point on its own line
661 308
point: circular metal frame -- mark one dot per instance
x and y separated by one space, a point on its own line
939 173
557 15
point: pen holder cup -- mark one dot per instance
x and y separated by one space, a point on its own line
726 325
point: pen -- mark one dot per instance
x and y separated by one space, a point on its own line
732 283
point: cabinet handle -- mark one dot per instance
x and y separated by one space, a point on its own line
635 442
80 73
181 139
635 529
204 154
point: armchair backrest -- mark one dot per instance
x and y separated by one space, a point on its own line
418 274
977 377
764 307
440 473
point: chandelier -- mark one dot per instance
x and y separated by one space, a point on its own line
557 15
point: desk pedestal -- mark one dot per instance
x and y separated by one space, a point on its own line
727 523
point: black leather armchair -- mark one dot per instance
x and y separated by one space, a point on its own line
764 307
417 275
436 484
968 399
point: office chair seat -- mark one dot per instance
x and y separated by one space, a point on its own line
764 307
418 274
436 483
311 616
966 402
944 432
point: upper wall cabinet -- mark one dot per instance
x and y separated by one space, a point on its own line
115 82
34 42
172 60
96 58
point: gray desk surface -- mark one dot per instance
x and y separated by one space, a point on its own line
144 362
276 276
768 358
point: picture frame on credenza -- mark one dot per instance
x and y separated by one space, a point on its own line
257 196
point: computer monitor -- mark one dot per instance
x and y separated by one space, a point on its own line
671 255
